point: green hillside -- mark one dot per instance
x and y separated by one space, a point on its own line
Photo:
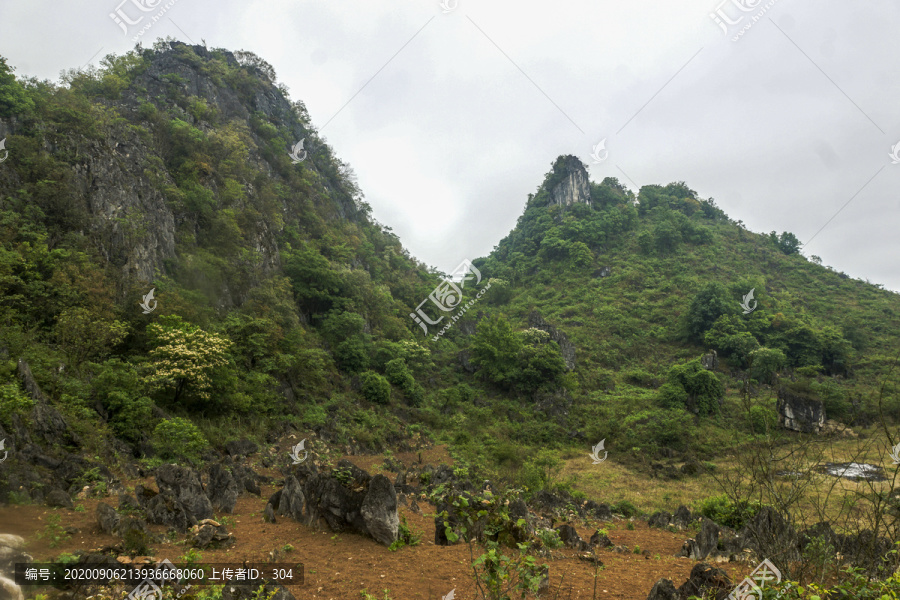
281 302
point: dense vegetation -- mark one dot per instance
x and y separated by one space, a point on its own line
322 339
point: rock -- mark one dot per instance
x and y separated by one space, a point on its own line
571 182
379 511
603 272
58 499
600 540
107 518
9 590
664 589
569 536
710 361
165 509
659 519
708 538
768 533
291 501
566 348
128 503
184 484
269 513
799 411
706 581
682 517
210 535
241 448
222 490
46 422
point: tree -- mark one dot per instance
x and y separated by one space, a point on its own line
703 388
375 388
84 336
709 304
787 242
14 99
495 350
185 357
766 364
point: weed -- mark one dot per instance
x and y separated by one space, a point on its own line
630 526
287 548
53 531
637 549
191 557
406 536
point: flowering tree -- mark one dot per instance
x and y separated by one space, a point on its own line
185 357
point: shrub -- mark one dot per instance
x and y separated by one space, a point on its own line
12 400
725 512
626 508
178 438
375 388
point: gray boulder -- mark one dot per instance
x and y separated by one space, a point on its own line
165 509
241 448
291 502
664 589
107 518
58 499
660 519
379 511
184 484
210 533
222 490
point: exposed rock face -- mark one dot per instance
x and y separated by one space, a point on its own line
800 413
165 509
241 448
46 421
574 186
357 502
710 361
379 510
184 485
222 490
705 542
565 346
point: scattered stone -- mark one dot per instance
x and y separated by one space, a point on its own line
269 513
241 448
165 509
211 534
107 518
184 484
601 540
58 499
222 490
660 519
706 581
664 589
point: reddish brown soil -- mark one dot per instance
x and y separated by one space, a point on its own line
339 566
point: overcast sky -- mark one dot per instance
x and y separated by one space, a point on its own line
451 118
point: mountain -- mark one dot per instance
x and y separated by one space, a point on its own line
188 271
276 298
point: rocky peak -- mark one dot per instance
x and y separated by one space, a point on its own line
569 182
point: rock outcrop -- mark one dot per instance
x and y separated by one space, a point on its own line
566 348
571 184
800 412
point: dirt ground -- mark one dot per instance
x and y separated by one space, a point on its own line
339 566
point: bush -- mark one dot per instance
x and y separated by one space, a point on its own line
12 400
375 388
725 512
762 419
178 438
625 508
